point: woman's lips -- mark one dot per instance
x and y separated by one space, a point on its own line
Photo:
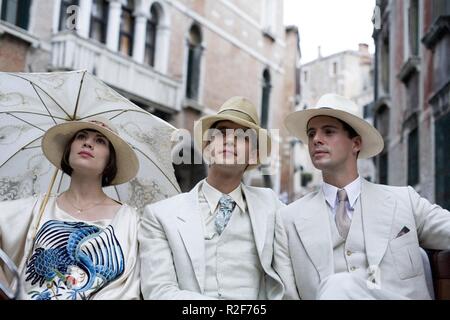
85 154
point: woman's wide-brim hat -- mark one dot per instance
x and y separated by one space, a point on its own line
333 105
57 137
241 111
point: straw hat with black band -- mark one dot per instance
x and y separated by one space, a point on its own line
241 111
339 107
57 137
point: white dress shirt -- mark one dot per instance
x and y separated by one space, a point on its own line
225 276
353 190
209 201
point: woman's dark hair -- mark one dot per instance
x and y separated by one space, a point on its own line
110 171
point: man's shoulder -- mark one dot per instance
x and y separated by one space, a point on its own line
263 196
294 207
259 190
174 202
388 188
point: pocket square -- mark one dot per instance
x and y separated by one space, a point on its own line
402 232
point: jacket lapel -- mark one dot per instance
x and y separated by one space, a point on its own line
377 220
258 220
313 227
191 232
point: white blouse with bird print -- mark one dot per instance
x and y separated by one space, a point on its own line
71 258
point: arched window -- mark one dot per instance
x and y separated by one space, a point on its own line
150 38
265 100
16 12
194 59
64 15
99 20
126 28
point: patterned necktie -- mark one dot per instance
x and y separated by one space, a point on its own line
342 220
226 207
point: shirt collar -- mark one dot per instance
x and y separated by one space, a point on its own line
353 190
213 196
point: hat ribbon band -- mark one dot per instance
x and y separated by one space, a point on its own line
244 115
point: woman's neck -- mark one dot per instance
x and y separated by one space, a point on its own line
85 189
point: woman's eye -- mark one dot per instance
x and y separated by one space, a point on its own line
81 136
101 141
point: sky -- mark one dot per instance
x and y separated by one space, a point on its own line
334 25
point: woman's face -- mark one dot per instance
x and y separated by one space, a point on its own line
89 152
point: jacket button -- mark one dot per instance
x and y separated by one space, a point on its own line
353 268
349 253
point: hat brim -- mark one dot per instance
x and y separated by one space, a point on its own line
372 142
57 137
205 123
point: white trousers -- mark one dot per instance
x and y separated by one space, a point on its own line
346 286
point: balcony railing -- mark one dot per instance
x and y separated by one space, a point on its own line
72 52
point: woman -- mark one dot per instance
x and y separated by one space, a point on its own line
80 244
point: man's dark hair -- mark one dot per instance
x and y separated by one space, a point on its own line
110 171
351 132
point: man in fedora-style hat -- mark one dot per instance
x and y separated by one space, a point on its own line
216 241
353 239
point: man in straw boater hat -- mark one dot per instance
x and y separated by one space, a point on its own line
216 241
353 239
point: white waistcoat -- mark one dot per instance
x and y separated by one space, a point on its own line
350 255
233 270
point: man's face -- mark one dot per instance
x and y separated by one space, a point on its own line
230 144
329 144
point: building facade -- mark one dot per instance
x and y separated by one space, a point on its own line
412 86
348 73
178 59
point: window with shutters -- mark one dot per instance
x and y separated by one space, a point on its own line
383 168
126 28
442 161
440 8
194 60
16 12
99 20
413 157
413 21
381 122
265 100
150 37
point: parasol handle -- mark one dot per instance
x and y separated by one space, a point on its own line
44 202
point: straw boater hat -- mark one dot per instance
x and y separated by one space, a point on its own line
57 137
241 111
339 107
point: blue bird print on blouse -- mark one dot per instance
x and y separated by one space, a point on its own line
61 247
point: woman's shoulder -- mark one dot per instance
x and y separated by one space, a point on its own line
19 203
18 209
129 213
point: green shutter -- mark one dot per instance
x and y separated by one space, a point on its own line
442 161
413 157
